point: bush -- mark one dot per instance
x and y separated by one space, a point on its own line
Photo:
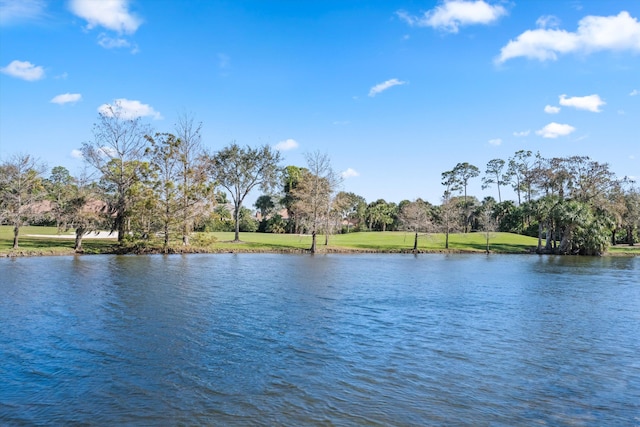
203 239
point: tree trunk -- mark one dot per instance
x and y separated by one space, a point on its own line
120 227
313 242
539 249
446 240
549 238
236 216
78 242
16 230
185 234
415 243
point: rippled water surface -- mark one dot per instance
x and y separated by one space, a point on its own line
241 339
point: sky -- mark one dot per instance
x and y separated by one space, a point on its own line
395 92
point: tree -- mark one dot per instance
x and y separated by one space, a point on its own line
488 223
631 217
193 182
415 217
381 214
518 172
84 211
291 176
247 223
117 151
457 179
21 188
494 175
447 215
350 206
240 170
265 205
276 224
58 187
165 168
313 194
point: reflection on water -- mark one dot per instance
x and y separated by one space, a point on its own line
324 340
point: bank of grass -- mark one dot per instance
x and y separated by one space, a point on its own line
623 249
396 242
390 241
53 245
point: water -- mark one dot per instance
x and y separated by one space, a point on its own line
362 340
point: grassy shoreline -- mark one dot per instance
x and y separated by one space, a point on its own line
45 241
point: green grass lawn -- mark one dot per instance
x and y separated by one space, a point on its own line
29 245
623 249
390 241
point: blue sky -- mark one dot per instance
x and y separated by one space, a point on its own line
396 92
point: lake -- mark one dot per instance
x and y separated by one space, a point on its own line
346 340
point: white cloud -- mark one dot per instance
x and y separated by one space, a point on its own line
24 70
380 87
66 98
349 173
554 130
110 14
129 109
590 103
286 145
548 21
108 151
595 33
16 11
495 141
76 154
453 14
112 43
550 109
634 92
522 133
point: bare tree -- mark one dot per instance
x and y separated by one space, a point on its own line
313 194
21 187
415 217
448 217
116 152
194 186
240 170
488 221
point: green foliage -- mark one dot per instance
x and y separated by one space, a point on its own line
276 224
239 170
204 240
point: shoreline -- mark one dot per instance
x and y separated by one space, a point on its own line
20 253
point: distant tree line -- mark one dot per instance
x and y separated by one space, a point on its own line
145 185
